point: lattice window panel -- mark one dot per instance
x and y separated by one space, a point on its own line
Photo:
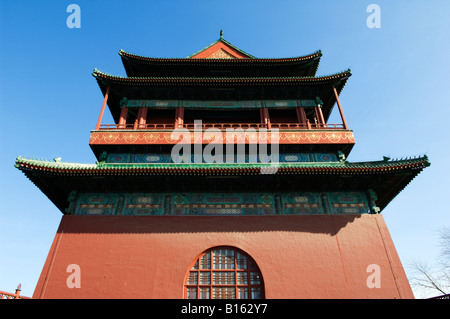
224 273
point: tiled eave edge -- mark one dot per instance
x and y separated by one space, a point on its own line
209 80
141 58
107 169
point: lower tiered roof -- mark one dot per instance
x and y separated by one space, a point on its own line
58 179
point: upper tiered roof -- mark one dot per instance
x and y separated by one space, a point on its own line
220 59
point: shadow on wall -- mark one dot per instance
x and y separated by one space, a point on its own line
325 224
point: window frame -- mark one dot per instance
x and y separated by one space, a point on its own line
247 281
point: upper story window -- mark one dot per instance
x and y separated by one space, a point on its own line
224 273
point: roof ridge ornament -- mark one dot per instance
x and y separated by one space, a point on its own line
221 34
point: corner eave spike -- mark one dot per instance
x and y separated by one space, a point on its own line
221 34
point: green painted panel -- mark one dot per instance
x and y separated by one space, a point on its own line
151 158
251 104
297 203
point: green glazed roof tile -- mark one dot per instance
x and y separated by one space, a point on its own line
232 168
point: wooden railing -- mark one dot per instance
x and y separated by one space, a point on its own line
307 126
137 126
289 126
223 125
8 295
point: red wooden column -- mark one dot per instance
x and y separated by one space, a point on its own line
123 117
181 116
344 122
261 115
265 114
301 115
177 111
142 117
97 127
319 115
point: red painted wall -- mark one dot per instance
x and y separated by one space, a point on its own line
322 256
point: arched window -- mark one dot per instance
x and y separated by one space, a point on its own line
224 273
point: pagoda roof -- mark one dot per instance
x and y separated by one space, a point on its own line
220 58
57 179
197 61
137 65
69 168
133 87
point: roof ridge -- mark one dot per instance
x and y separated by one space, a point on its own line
56 162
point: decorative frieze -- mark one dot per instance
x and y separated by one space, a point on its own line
308 203
166 158
326 136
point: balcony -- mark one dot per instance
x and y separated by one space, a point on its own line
142 125
147 126
247 133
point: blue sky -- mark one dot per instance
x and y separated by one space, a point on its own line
395 102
